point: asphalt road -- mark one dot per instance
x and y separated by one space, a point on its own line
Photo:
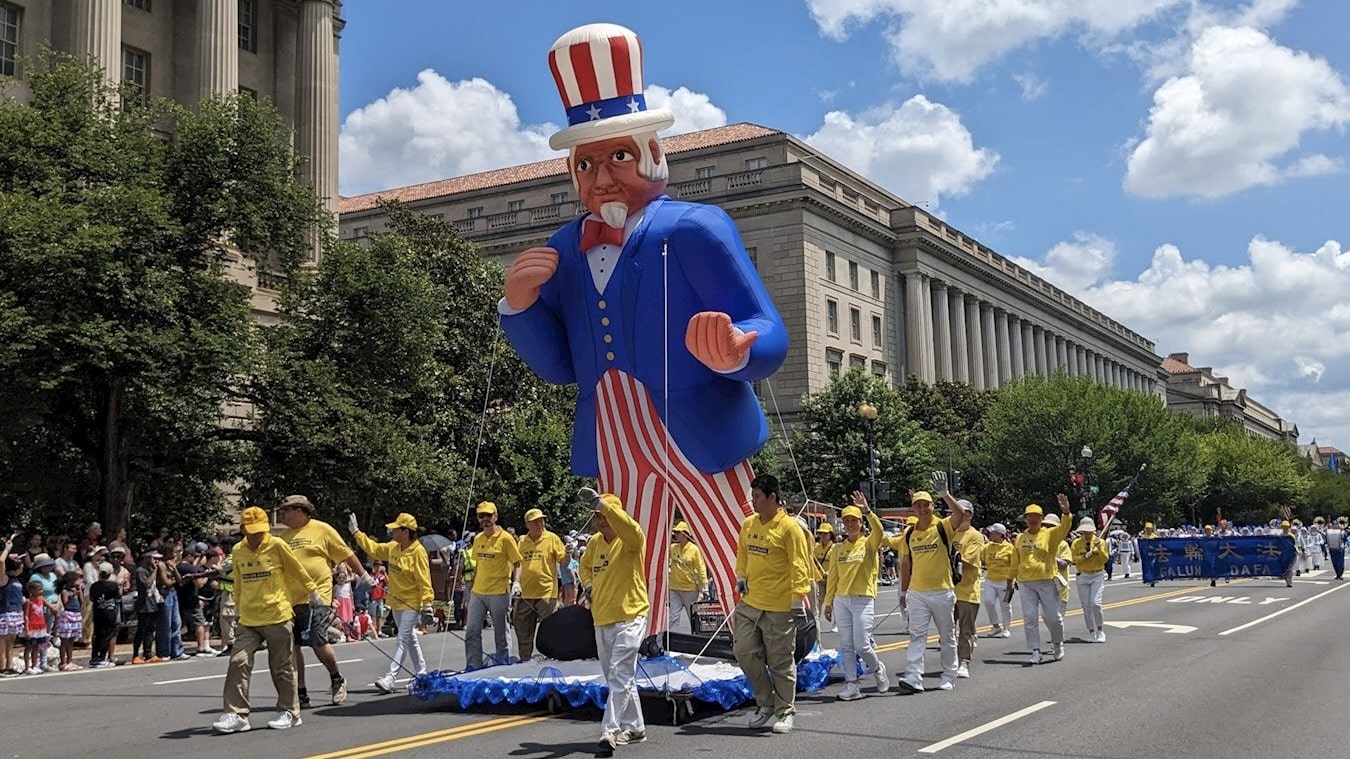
1251 669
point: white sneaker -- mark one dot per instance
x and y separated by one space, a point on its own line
850 692
883 680
1059 652
284 720
629 737
1101 636
1036 656
997 632
1005 634
385 684
963 670
945 684
231 723
761 718
782 723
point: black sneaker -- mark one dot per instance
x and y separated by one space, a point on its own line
226 651
304 699
606 745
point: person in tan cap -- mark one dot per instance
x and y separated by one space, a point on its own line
613 570
540 553
1090 556
264 569
820 554
409 589
1035 565
495 582
688 575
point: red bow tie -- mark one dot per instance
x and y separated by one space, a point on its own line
594 232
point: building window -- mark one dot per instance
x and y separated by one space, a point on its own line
834 362
9 39
876 285
704 172
515 205
475 212
852 275
754 256
756 163
359 232
248 25
831 317
879 368
855 325
829 266
558 198
136 74
876 331
140 4
857 362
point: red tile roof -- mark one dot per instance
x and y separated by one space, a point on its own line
554 167
1173 366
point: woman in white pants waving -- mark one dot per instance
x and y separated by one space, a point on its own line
410 593
851 594
1090 556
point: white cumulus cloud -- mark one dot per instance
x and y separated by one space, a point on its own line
919 149
1277 324
1033 87
950 40
439 128
1235 120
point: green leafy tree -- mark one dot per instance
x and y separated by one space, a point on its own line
1329 494
127 337
831 447
953 410
1250 477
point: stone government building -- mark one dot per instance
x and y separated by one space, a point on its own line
862 278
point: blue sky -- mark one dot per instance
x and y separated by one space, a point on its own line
1179 164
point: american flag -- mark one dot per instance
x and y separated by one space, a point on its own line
1112 506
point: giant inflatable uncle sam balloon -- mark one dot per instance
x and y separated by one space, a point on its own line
652 307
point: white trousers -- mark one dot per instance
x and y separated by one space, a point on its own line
938 608
999 611
1124 562
408 645
618 645
680 602
1090 586
1040 599
854 615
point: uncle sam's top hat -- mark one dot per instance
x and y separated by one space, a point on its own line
598 70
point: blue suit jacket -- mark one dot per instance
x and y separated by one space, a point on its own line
715 419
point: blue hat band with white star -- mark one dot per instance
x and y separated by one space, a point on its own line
604 109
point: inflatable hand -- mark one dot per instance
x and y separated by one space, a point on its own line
531 269
713 340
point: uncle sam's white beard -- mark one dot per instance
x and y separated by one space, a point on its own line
614 214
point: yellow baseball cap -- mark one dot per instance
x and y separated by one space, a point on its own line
486 507
682 526
826 528
851 511
1285 523
404 520
533 514
1148 525
920 495
611 499
254 520
1033 509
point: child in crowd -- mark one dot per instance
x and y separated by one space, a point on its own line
11 613
342 598
70 622
363 626
35 630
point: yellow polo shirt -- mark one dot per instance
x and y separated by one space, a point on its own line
1034 555
493 558
262 580
616 571
318 547
998 560
539 565
775 561
970 544
853 565
688 572
409 576
1063 552
1090 554
929 566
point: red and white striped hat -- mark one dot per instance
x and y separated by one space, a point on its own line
598 70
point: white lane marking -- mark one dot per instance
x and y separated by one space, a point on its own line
986 727
1273 615
256 672
1164 626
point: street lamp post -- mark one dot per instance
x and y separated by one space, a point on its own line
868 412
1086 454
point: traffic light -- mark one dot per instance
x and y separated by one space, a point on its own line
874 462
954 481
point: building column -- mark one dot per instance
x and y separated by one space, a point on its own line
960 353
918 328
942 332
1115 374
1015 346
1004 346
317 100
1038 349
975 343
1028 348
990 343
1080 360
1101 369
97 34
217 48
1061 355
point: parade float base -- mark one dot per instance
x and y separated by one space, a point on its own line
682 680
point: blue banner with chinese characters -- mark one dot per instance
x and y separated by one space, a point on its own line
1212 558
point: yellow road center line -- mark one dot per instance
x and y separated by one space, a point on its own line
435 736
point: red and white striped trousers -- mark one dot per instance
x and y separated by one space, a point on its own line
641 464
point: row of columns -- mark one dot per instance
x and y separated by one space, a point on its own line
952 335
